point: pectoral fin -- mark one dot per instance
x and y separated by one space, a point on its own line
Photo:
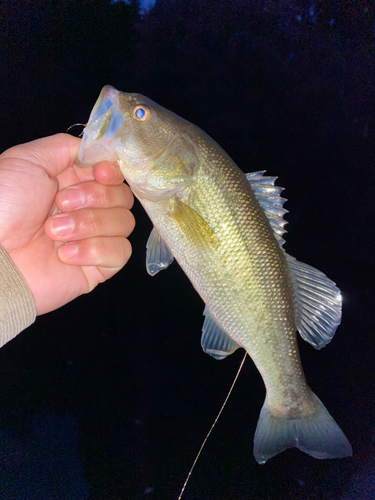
318 303
192 225
215 341
158 256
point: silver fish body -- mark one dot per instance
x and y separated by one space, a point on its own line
225 230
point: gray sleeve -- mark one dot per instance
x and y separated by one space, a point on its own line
17 309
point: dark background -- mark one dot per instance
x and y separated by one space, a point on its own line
110 397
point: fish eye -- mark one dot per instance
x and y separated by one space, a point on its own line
141 113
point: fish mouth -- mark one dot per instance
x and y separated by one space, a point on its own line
107 98
104 122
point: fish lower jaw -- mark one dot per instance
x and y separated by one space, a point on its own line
94 152
146 193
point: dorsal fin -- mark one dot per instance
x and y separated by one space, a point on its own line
268 196
318 301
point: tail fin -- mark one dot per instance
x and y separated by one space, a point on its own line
316 434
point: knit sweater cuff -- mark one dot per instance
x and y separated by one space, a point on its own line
17 309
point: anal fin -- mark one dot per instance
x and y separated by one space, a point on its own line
215 341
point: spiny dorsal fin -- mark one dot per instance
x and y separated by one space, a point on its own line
268 196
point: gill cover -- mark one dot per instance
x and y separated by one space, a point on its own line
155 153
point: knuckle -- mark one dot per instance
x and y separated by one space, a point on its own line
127 250
130 222
89 221
118 221
103 195
129 196
95 195
124 251
110 252
96 252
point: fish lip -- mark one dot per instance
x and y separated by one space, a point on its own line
107 93
93 150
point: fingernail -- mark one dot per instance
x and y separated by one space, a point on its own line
73 198
68 251
111 173
61 225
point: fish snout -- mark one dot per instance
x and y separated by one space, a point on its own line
103 126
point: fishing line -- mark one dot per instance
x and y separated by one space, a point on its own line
229 393
212 427
76 125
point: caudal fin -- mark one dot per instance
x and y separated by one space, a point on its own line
316 434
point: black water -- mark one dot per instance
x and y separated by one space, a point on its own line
111 396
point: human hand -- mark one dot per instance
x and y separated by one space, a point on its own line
62 255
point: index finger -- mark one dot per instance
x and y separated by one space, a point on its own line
54 153
108 173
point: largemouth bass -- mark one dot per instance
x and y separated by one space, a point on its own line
225 230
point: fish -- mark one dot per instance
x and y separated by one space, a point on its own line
225 229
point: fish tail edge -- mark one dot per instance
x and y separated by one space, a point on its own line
317 435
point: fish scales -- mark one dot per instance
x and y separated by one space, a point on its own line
218 224
238 277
